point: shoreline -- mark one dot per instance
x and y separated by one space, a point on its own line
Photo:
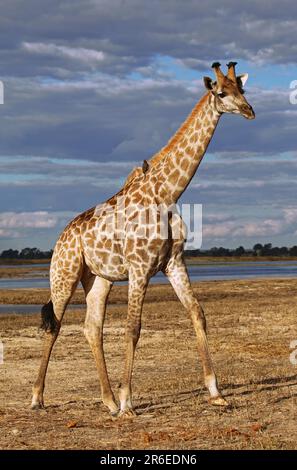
27 270
28 262
39 296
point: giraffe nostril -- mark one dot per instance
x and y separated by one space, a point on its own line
248 111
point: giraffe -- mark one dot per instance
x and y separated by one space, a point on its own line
97 253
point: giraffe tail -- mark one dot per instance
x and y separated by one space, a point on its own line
49 322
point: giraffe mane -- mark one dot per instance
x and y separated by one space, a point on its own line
137 171
161 154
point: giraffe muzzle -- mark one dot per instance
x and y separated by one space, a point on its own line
248 112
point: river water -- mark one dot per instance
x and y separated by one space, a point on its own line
206 272
203 272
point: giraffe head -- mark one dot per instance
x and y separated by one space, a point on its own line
228 91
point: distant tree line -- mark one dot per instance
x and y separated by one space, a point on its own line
26 253
257 250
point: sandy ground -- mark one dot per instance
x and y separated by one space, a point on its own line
250 324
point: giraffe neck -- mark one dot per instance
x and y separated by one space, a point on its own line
175 165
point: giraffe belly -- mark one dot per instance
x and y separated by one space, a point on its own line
112 268
112 276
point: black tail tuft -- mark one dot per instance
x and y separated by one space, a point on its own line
49 322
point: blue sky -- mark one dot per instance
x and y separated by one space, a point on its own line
93 87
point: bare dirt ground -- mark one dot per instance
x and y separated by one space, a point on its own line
250 325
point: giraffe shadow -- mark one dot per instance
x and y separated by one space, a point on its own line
284 398
161 403
256 386
169 400
268 381
268 384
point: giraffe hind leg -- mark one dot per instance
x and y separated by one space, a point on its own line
51 315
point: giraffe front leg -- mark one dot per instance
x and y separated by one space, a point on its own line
97 290
177 274
137 289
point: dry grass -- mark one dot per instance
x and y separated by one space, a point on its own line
250 324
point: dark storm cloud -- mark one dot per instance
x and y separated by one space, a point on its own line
122 119
130 32
56 198
65 66
100 120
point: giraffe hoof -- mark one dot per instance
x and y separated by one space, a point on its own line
114 414
218 401
128 413
37 406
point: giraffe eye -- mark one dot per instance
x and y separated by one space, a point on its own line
222 94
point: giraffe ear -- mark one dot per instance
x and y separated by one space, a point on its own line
208 83
242 79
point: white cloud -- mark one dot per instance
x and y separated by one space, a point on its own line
40 219
7 234
218 230
108 85
267 227
90 56
290 215
229 184
248 229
